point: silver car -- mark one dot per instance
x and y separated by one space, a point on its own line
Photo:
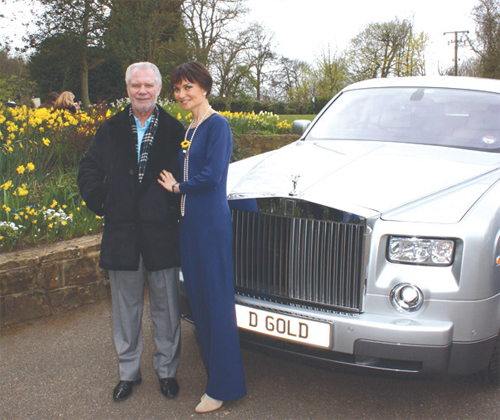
374 240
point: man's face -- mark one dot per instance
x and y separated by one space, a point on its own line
143 90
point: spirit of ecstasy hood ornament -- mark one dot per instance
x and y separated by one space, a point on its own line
294 192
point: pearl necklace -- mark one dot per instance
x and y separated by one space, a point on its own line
186 157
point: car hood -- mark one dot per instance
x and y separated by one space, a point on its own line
370 178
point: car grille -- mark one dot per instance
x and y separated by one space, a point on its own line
298 261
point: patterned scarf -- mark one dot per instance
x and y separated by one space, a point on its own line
147 140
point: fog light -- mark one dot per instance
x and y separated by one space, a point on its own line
406 297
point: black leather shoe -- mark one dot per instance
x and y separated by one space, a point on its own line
124 388
169 387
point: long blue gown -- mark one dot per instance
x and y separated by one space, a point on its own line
207 258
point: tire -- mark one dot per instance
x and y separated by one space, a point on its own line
491 373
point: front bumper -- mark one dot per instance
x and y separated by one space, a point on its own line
372 342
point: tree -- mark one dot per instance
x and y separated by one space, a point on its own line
140 30
14 81
207 24
84 21
9 66
332 74
410 60
468 67
229 68
383 49
487 43
55 67
260 56
291 80
147 30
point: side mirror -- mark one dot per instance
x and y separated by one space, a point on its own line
300 126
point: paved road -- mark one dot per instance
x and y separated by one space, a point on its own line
65 368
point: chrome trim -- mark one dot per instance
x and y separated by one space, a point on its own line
299 261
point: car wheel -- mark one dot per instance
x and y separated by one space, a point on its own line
491 373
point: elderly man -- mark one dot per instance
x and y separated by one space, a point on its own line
118 179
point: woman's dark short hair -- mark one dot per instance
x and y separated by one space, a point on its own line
193 72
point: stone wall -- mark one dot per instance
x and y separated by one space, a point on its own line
50 279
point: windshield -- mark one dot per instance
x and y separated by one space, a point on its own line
445 117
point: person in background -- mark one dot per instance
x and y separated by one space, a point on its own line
66 100
118 180
50 102
206 235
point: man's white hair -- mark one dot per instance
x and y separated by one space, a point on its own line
144 65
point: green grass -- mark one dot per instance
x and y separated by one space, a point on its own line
292 118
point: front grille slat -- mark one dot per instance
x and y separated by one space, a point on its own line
296 260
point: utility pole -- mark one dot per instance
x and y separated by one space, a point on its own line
456 45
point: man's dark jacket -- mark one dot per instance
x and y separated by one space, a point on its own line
140 219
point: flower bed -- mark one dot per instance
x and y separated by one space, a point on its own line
40 150
39 154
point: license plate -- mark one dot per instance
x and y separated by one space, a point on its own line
283 326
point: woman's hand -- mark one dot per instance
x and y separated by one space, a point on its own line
168 182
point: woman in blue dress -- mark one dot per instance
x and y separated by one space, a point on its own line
206 235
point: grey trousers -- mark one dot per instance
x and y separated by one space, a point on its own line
127 293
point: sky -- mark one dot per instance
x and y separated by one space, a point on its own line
304 28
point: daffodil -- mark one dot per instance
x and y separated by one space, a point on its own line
6 185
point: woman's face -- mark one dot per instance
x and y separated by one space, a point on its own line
189 95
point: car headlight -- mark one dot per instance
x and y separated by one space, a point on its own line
425 251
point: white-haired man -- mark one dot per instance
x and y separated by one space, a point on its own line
118 180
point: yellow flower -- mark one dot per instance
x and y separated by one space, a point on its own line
185 144
34 222
10 149
22 191
63 223
64 206
30 167
20 169
1 237
7 209
54 203
25 217
46 141
7 185
16 217
179 116
50 225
